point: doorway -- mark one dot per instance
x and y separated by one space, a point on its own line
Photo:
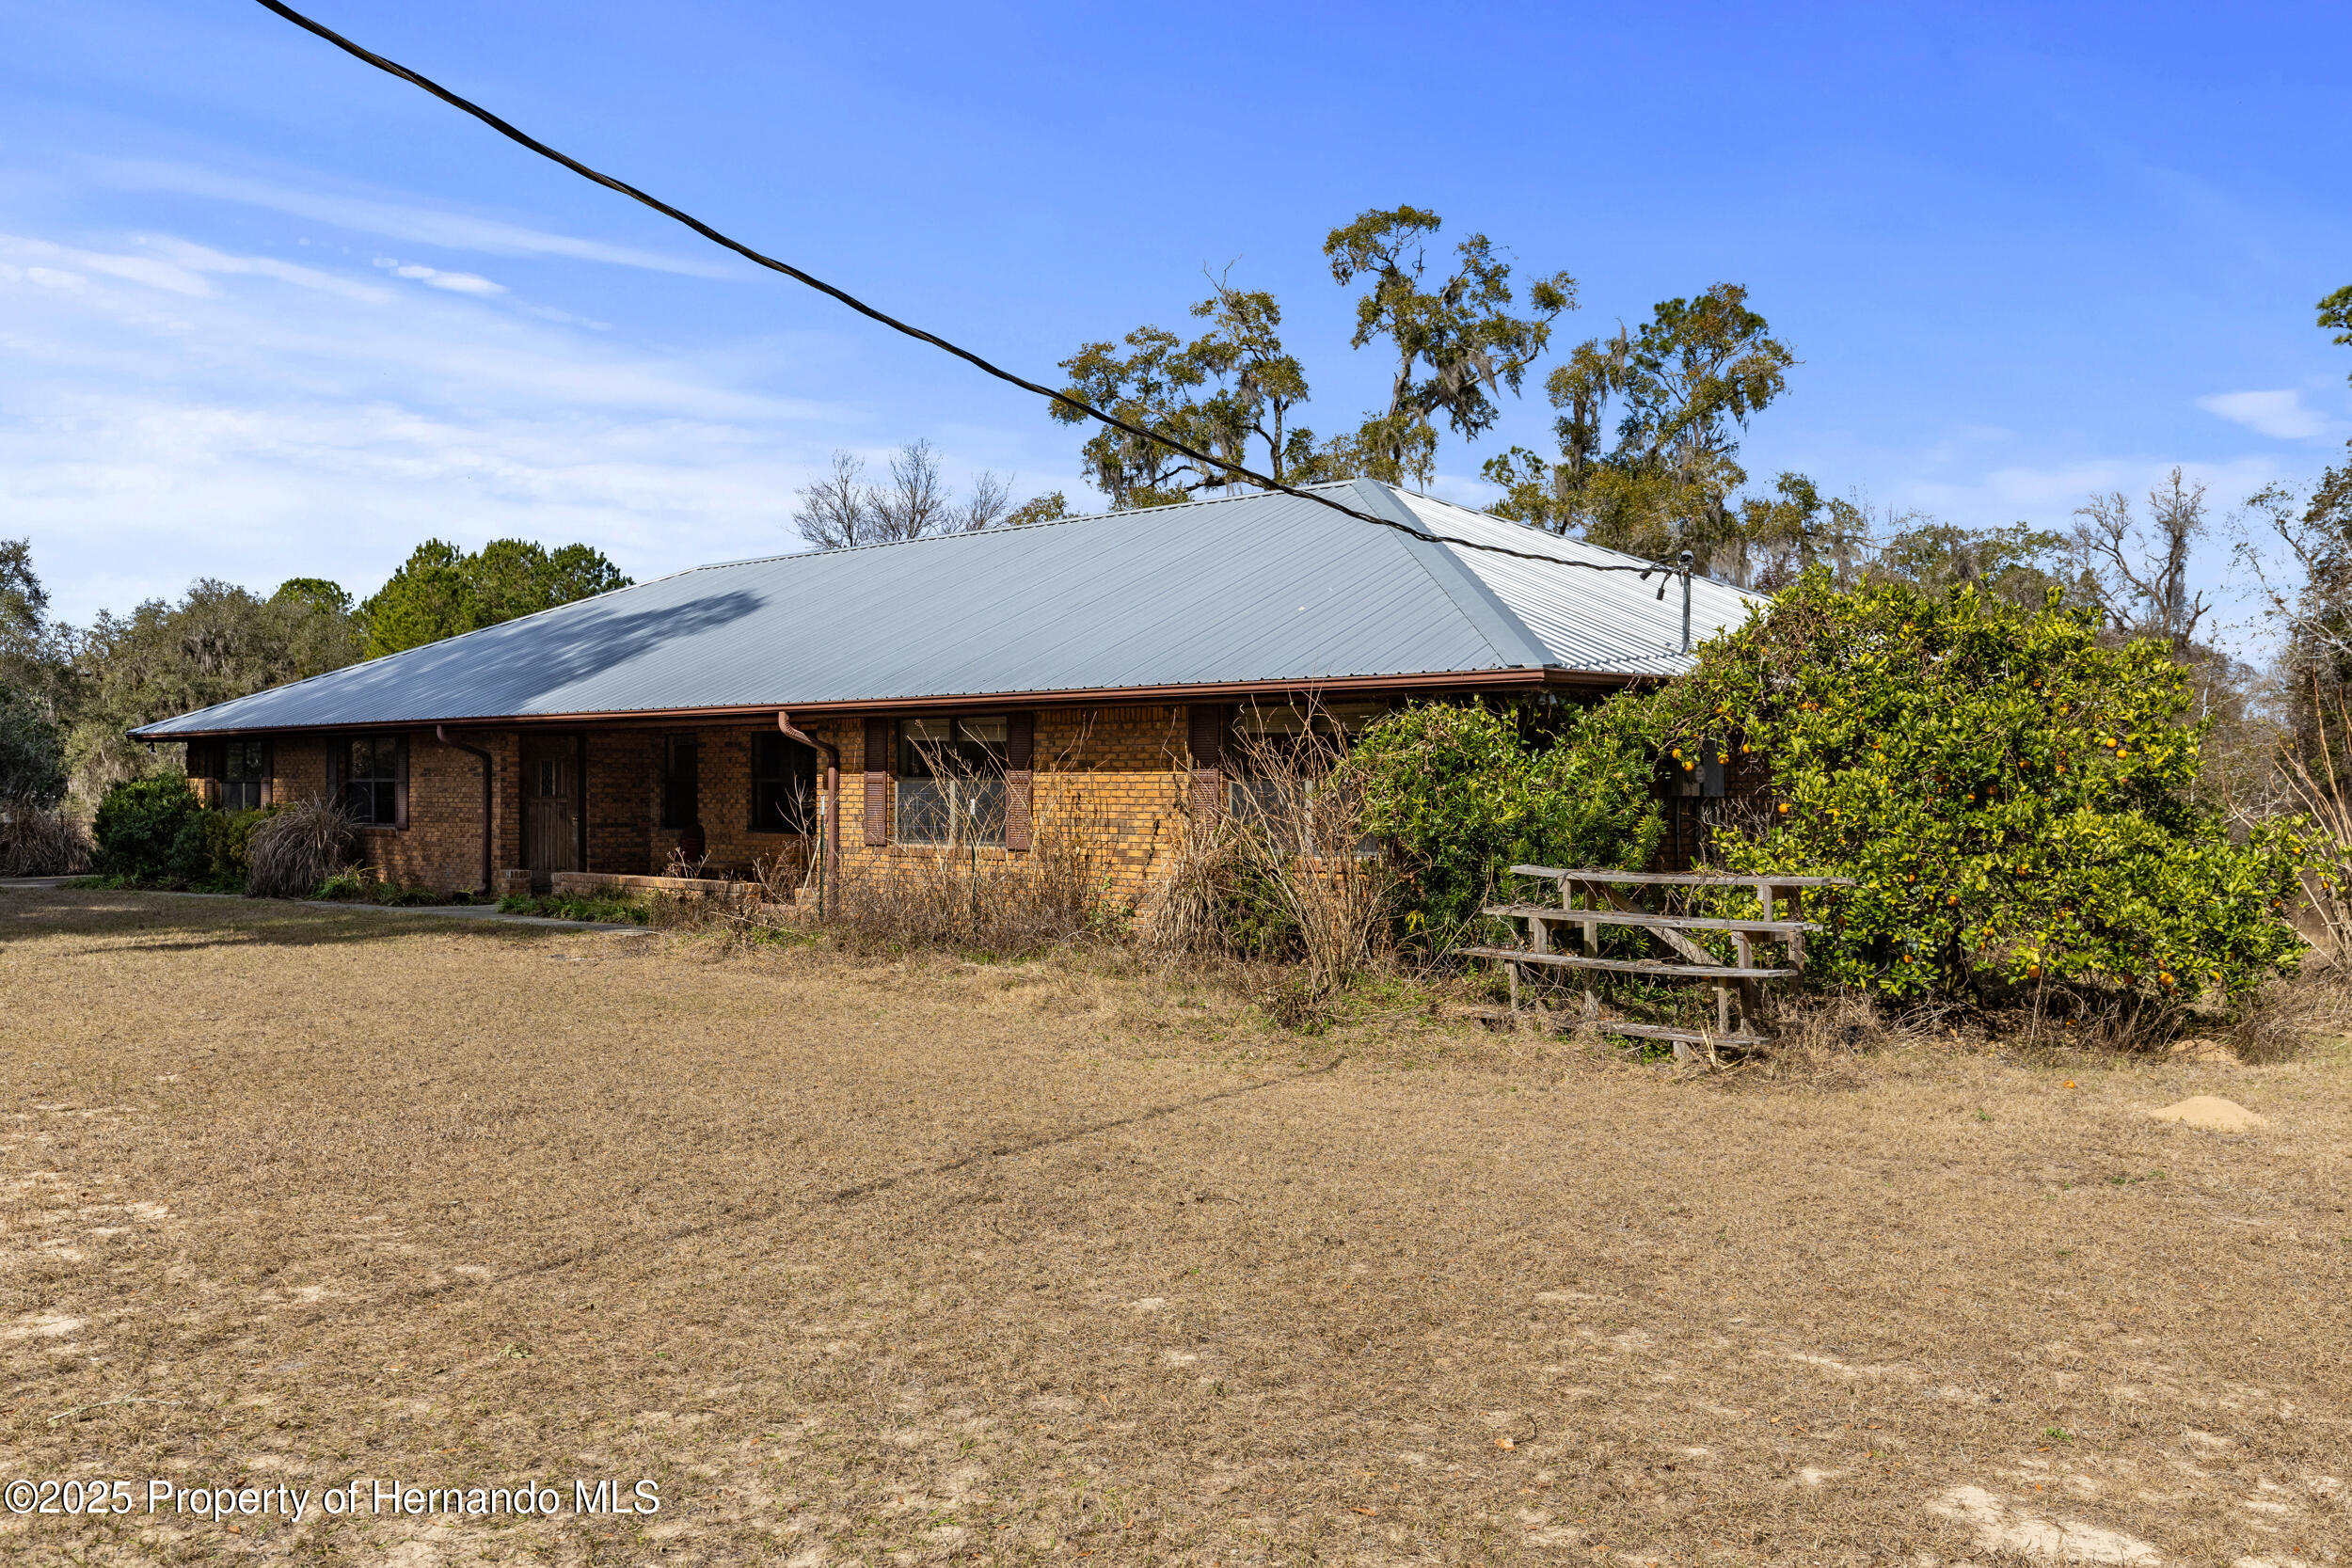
550 809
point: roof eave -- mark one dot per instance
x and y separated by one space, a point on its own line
1524 678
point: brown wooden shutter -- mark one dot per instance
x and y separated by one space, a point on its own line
269 774
338 757
1205 738
1020 777
878 759
400 782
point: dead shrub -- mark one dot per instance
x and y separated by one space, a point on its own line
1283 868
965 892
2280 1023
42 841
761 907
295 851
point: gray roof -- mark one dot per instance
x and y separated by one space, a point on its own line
1261 589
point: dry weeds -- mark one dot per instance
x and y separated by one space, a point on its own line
924 1262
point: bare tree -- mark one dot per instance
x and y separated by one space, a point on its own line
833 514
841 511
2141 575
990 500
915 499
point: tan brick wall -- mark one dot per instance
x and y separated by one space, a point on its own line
1113 773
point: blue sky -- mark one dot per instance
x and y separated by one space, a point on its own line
268 313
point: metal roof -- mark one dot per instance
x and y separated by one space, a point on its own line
1261 589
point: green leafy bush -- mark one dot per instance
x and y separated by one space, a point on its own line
611 910
151 831
1457 794
2012 796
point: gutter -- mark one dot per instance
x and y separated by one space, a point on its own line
829 841
441 732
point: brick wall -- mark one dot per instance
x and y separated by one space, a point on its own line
1114 774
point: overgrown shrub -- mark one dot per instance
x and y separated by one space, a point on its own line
41 841
1458 795
295 849
151 831
2011 794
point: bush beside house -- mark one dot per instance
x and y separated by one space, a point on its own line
2012 793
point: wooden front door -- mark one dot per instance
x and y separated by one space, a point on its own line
550 808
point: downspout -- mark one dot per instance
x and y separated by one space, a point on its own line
829 842
441 732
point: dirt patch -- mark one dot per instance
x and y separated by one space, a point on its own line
921 1262
2211 1112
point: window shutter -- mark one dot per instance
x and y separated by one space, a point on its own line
269 774
400 782
1020 777
878 759
337 754
1205 738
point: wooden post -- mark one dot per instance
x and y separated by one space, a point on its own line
1750 993
1538 940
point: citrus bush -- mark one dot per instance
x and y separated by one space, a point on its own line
1456 794
2012 796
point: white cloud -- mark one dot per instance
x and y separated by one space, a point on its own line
399 220
2278 415
455 282
173 410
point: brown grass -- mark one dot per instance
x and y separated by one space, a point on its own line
926 1261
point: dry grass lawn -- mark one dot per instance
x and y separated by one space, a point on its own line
915 1261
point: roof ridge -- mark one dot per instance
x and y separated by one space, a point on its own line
1470 595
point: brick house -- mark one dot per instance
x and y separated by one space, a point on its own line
959 687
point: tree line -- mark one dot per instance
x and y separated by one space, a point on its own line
1647 433
68 693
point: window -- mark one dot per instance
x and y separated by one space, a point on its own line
951 780
244 774
784 786
1278 762
681 783
372 776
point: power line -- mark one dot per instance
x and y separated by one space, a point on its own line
524 138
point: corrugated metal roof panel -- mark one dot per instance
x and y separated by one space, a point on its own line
1258 588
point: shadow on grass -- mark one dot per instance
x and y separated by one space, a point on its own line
183 922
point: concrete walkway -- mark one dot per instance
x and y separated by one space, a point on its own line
454 911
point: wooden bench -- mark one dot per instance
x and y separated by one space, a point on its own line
1602 904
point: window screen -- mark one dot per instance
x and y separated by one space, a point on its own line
951 780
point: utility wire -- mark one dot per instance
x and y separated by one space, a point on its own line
395 68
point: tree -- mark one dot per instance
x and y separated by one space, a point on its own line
841 511
1682 389
1233 393
444 592
2140 578
2336 310
1230 392
35 652
2019 563
1049 507
217 643
32 751
1456 344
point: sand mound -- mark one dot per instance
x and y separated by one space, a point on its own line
2212 1113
